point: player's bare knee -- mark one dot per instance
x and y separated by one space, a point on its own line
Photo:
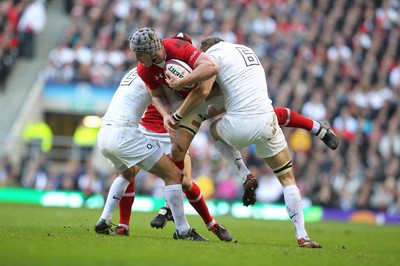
129 175
187 185
172 177
178 152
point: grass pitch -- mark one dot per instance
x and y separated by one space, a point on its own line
34 235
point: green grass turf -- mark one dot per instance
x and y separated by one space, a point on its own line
34 235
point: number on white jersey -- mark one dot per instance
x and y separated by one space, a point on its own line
129 78
248 55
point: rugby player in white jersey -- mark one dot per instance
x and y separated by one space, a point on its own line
152 53
152 126
249 117
125 146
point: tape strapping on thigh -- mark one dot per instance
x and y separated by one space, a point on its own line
283 169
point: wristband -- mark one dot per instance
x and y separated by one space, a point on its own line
177 117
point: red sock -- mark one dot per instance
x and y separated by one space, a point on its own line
196 199
181 166
125 204
289 118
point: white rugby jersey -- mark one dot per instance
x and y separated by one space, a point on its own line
129 102
241 78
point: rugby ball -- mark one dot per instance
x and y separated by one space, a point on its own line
179 69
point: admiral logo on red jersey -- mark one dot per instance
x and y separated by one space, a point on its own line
193 55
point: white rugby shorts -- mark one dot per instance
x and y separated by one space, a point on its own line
262 130
125 147
163 140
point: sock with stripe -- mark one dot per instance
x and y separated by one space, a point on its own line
181 166
196 199
125 206
289 118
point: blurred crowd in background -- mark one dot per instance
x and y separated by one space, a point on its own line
331 60
20 21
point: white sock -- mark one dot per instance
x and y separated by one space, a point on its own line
294 207
115 193
210 224
174 196
124 226
316 127
234 158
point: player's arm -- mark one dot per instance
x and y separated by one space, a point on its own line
196 97
203 69
205 72
161 103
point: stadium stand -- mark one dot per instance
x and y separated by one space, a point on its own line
338 61
9 42
21 97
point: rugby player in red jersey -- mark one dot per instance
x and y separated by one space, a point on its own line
152 54
152 122
152 126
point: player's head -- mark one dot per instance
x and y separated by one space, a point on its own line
182 36
209 41
145 41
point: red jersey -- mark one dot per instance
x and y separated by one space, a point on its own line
152 120
153 76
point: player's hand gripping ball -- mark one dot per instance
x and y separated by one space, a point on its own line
179 69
